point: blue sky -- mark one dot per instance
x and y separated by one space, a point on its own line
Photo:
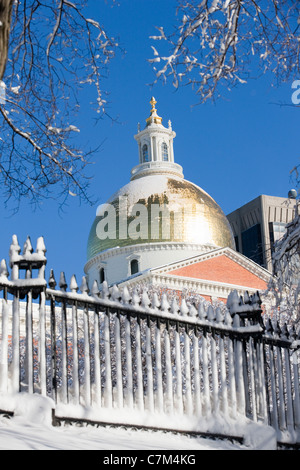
236 149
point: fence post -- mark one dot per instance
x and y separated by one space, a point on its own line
52 284
4 349
75 373
246 311
169 378
149 366
14 255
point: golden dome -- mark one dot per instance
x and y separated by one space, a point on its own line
159 209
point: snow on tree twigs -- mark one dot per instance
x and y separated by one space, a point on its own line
54 53
216 42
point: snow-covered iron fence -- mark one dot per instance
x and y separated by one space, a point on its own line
137 359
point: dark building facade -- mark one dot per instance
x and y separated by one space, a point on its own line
259 224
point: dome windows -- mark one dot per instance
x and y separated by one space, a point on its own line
134 266
155 151
101 275
164 152
145 153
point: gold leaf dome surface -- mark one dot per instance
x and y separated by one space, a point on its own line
194 216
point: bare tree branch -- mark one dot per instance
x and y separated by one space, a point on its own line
216 42
55 52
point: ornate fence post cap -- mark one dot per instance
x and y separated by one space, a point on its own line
14 250
233 302
247 306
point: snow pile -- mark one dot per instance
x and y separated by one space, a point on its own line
30 429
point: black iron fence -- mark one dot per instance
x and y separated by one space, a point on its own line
137 359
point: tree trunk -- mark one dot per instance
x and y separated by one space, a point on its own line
5 21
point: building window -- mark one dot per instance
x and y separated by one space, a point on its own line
145 153
134 266
252 244
236 240
164 152
277 231
101 275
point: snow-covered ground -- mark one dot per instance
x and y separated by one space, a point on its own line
18 434
31 429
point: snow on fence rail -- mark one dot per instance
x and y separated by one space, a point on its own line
122 357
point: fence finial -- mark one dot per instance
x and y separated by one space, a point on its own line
201 311
95 289
174 306
62 281
40 246
184 310
192 310
135 299
14 251
126 297
155 301
84 287
228 318
165 306
105 291
73 284
52 281
3 269
115 293
27 247
219 315
145 299
211 314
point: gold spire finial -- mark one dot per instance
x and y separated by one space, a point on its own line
153 103
153 118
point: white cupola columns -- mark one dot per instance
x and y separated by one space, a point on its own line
155 142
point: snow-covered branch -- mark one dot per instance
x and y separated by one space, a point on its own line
216 41
55 53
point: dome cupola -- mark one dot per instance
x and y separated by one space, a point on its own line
155 142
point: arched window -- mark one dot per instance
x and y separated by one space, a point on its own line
145 153
164 152
134 266
101 275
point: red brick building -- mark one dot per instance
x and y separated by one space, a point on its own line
213 275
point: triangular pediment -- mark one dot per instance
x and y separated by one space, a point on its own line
222 266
